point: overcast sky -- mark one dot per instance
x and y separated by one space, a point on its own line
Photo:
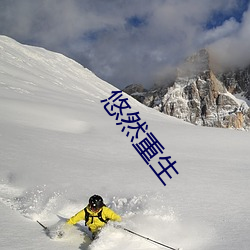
131 41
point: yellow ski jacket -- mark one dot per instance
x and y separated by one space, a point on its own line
94 223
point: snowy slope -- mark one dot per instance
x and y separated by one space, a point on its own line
59 146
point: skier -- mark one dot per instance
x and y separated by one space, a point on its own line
95 214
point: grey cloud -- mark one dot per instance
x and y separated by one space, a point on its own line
123 42
233 49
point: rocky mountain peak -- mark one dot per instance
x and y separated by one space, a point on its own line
196 64
200 96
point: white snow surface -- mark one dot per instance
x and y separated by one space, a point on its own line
58 146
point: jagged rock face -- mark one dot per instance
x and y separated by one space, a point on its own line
237 81
204 102
199 97
136 90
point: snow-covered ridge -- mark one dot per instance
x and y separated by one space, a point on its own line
33 74
51 69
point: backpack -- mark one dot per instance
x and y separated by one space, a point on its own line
88 216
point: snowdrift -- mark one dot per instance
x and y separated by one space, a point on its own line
59 146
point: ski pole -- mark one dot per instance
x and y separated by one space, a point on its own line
45 228
149 239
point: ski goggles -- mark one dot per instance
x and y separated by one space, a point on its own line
94 208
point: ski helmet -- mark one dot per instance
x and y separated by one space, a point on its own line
96 202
